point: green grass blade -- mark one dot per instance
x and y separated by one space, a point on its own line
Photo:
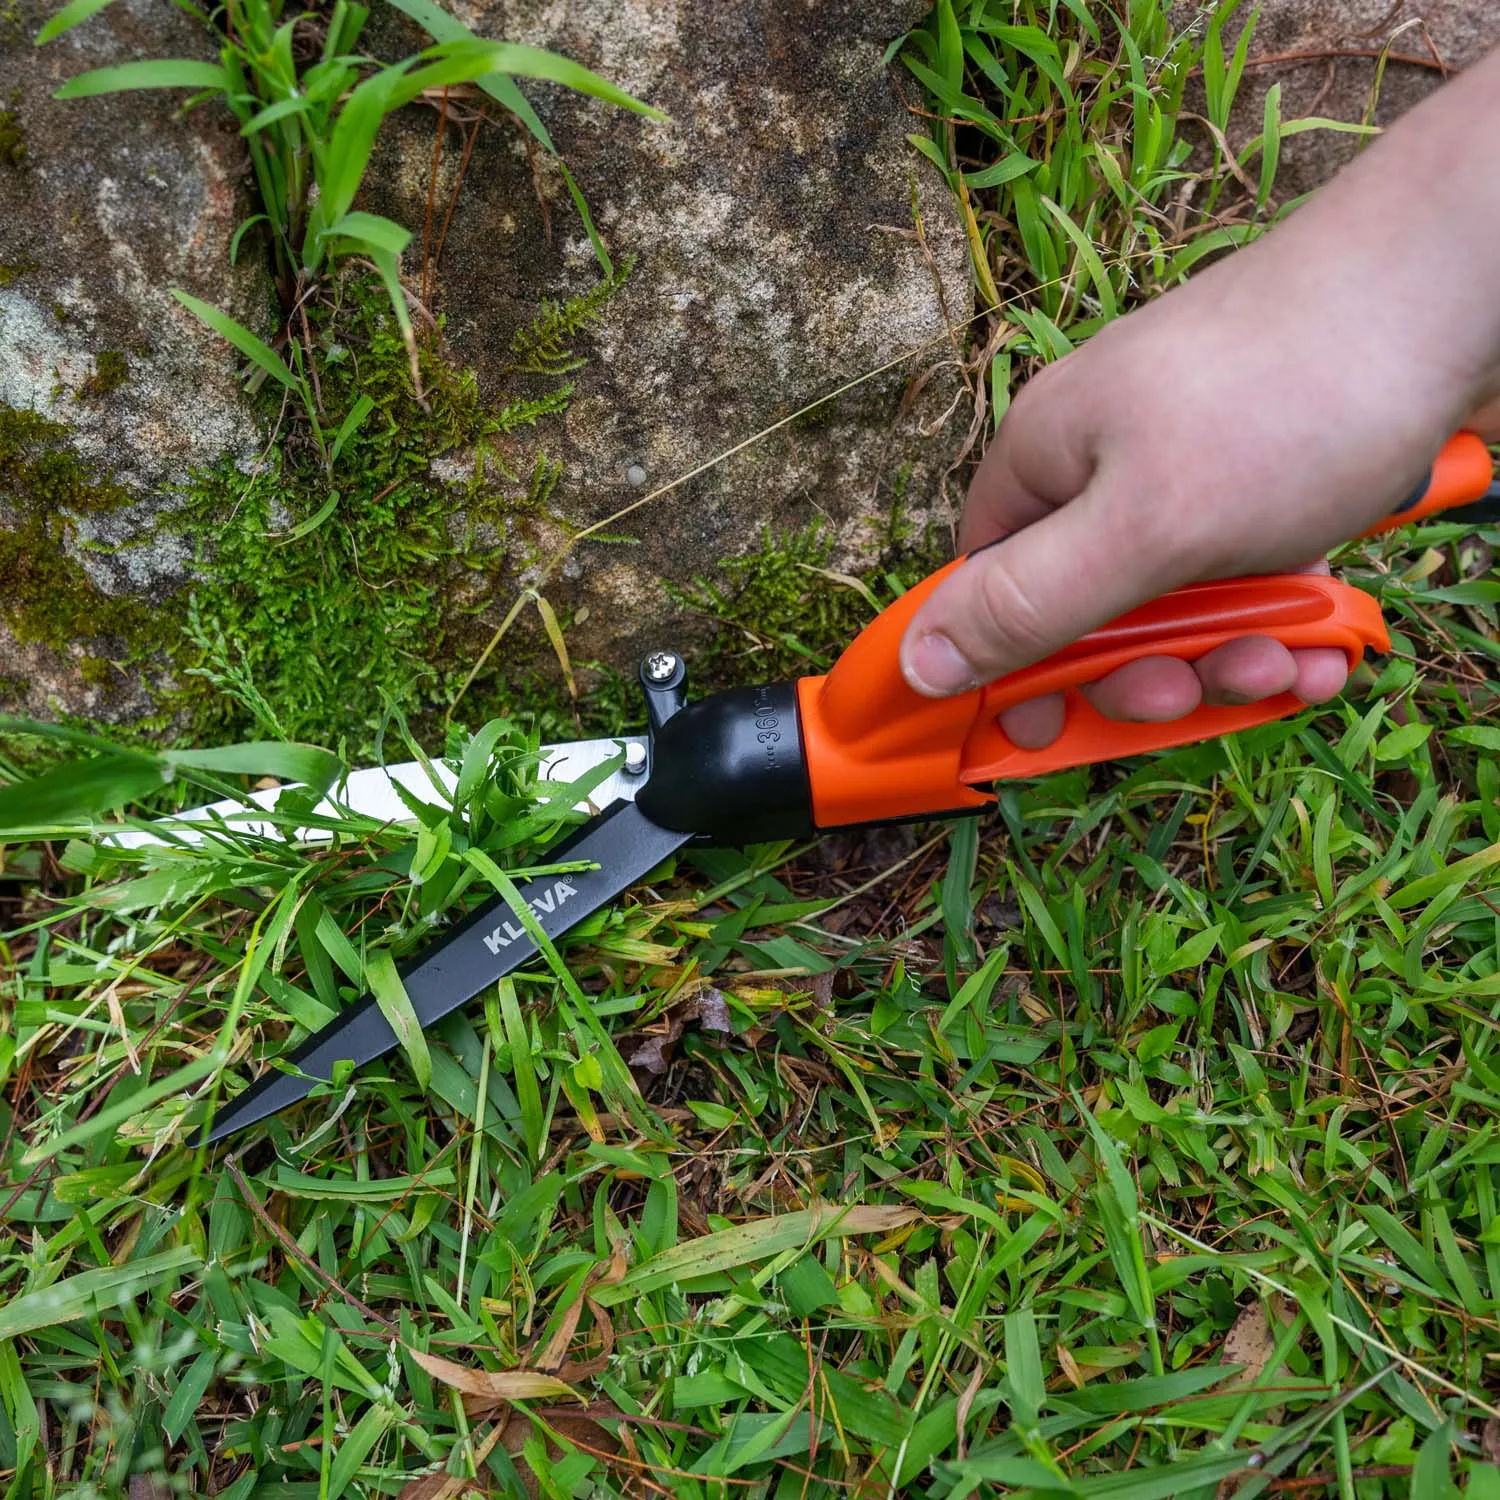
254 349
90 1294
74 12
395 1005
151 73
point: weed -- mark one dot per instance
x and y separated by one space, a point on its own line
330 600
1084 185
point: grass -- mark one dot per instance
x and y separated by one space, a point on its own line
1089 158
1138 1141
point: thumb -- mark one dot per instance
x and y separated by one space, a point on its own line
1021 599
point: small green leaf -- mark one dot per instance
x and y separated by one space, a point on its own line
254 349
309 524
350 425
1400 743
1010 166
1430 1476
370 229
68 17
1270 151
316 768
150 73
1476 735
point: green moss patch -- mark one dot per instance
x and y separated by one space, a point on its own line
12 140
328 600
111 371
45 596
782 612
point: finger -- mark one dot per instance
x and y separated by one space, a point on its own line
1247 670
1037 461
1048 584
1149 691
1321 674
1033 725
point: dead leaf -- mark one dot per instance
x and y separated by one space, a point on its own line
965 1402
492 1387
655 1053
1489 1439
1069 1366
707 1006
556 1348
1252 1340
713 1010
554 1354
822 991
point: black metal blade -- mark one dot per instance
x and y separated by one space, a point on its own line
625 845
1484 512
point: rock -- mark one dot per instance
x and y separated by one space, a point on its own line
771 225
106 204
1312 42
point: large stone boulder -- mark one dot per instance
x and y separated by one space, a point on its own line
110 391
772 222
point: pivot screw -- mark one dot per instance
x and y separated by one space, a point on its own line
635 758
660 665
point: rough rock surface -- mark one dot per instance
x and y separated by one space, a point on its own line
771 222
105 204
1312 45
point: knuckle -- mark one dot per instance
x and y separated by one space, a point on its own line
1014 626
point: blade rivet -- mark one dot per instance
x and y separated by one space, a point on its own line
635 758
660 665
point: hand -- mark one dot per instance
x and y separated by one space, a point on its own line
1272 408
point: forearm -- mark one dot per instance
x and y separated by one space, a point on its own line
1406 242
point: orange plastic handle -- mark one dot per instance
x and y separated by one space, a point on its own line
1461 474
876 750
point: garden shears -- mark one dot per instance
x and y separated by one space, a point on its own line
854 747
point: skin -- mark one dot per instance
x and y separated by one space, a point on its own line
1246 422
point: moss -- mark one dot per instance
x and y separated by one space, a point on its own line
13 687
315 619
9 273
39 470
44 595
777 612
12 140
111 370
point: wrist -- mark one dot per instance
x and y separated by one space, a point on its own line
1410 230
